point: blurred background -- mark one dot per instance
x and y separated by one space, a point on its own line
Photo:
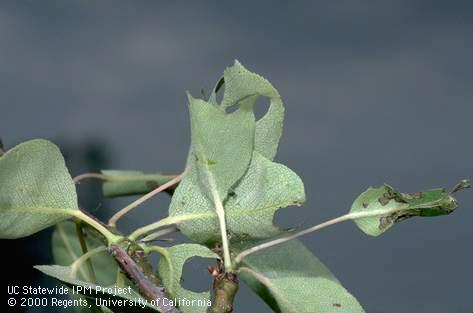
378 91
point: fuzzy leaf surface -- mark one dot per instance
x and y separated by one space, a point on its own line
250 208
290 279
241 85
36 189
170 271
251 186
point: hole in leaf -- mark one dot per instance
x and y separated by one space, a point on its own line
285 219
261 107
195 275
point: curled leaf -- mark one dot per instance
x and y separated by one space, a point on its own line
386 207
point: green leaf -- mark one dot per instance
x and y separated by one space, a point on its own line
221 142
126 183
66 249
388 207
170 271
266 187
63 274
250 208
244 86
238 155
290 279
36 189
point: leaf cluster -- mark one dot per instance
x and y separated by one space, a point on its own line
225 204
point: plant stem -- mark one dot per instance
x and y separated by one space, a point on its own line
162 251
85 257
170 220
80 177
146 286
346 217
113 220
159 233
223 230
225 288
83 246
260 277
111 237
221 219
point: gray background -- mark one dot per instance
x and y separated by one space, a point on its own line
375 92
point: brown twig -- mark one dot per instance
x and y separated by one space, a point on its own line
225 287
145 284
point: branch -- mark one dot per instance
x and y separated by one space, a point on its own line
135 273
225 287
113 220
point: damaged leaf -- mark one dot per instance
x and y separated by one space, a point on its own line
238 153
249 207
387 207
170 271
243 86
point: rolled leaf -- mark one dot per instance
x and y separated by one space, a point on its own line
388 207
128 183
